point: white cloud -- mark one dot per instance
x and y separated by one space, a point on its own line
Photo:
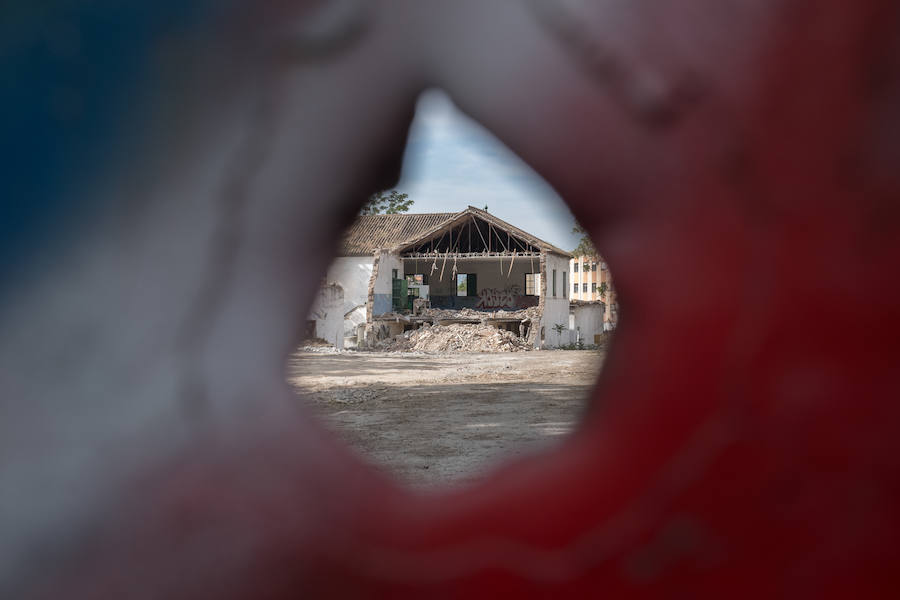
451 162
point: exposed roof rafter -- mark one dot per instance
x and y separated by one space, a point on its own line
419 234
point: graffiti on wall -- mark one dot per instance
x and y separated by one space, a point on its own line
499 298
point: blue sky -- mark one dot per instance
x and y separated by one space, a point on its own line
451 162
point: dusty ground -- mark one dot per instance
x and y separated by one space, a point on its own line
433 419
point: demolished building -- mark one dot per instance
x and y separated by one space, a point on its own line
397 272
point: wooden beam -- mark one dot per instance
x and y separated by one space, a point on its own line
499 240
473 255
486 245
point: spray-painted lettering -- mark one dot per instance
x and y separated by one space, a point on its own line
498 298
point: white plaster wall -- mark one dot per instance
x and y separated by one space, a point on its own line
383 290
352 274
556 311
561 265
329 314
386 263
556 308
352 321
589 321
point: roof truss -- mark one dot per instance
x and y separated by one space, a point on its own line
470 236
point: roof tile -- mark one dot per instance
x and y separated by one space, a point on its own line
370 232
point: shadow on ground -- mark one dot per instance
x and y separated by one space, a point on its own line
449 433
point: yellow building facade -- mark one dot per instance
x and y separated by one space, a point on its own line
591 281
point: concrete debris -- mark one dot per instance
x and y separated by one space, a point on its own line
455 338
525 314
420 305
393 316
319 349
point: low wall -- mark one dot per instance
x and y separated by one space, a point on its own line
589 322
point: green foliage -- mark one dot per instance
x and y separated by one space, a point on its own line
388 203
585 246
603 288
580 346
559 328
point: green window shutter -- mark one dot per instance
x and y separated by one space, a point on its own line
471 284
399 290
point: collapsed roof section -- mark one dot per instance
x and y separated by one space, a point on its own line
472 232
372 232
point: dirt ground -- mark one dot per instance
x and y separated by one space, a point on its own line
446 418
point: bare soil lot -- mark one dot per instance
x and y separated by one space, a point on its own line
433 419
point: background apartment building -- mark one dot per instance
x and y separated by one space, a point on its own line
591 282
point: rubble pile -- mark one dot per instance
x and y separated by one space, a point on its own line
532 313
455 338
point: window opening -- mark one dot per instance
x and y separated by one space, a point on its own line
466 285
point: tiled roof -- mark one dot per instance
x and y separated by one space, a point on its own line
370 232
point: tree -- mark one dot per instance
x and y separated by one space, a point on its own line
585 246
389 203
559 328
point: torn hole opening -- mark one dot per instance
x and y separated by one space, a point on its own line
466 317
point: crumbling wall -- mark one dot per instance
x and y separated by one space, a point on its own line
370 296
352 320
352 275
378 300
537 329
329 314
382 282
